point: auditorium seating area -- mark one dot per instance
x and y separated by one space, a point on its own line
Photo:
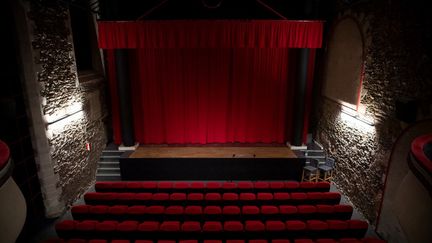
212 212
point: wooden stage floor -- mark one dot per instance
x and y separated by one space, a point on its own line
212 152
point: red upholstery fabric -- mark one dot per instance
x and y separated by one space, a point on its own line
357 224
66 225
323 184
307 185
188 241
193 210
166 241
418 151
245 185
292 185
272 225
331 195
181 185
195 196
214 185
231 210
264 196
325 208
212 226
145 196
170 226
295 225
229 196
99 209
340 208
148 226
106 226
258 241
349 240
247 196
326 241
287 209
174 210
127 226
165 185
80 209
178 196
161 196
254 225
233 226
197 185
280 241
298 196
191 226
277 185
118 209
303 241
76 241
316 225
136 210
143 241
229 185
337 224
149 185
212 210
212 196
268 209
154 210
235 241
306 209
250 210
133 185
120 241
261 185
86 225
314 195
125 197
212 241
97 241
281 196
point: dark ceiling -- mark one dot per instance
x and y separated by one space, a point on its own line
214 9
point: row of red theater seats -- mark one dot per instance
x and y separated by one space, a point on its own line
345 240
153 186
129 198
90 229
266 212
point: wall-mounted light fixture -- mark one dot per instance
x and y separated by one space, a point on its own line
356 120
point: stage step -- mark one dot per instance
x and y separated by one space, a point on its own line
109 165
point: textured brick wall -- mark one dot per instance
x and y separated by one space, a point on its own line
74 166
397 64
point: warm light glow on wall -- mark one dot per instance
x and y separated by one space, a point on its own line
356 120
63 113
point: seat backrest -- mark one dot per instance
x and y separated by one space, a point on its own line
330 162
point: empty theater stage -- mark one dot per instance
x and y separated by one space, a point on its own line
211 163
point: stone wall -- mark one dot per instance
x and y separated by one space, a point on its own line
67 108
397 65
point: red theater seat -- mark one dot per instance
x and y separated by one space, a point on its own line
181 185
229 196
254 225
120 241
212 210
191 226
106 226
166 241
258 241
76 241
262 185
136 210
195 196
337 224
127 226
269 210
245 185
264 196
149 185
281 196
357 224
316 225
178 196
118 210
248 210
298 196
306 209
212 185
307 185
324 209
235 241
80 209
148 226
233 226
349 240
212 226
143 241
193 210
281 241
188 241
170 226
323 185
303 241
246 196
197 185
287 209
212 241
295 225
65 225
314 195
212 196
277 185
326 241
229 185
86 225
155 210
292 185
165 185
272 225
160 196
174 210
98 241
143 196
231 210
125 197
134 185
333 197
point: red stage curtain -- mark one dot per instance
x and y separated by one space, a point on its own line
210 34
200 96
